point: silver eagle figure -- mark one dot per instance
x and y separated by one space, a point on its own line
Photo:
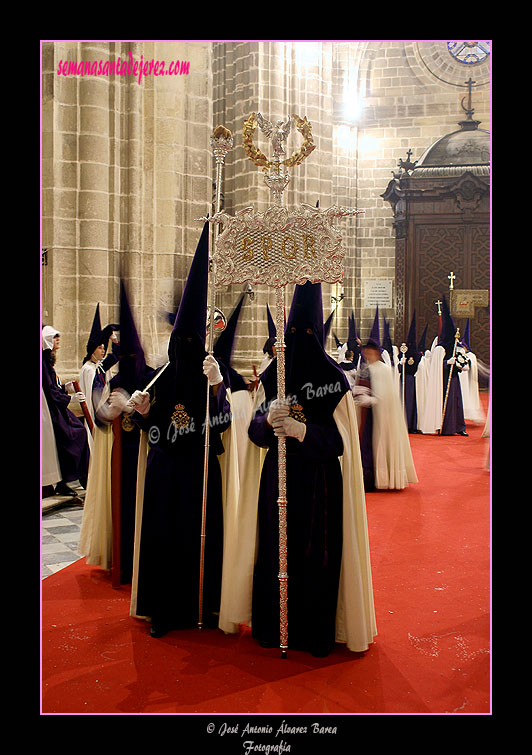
278 134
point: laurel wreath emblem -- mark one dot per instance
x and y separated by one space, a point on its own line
259 158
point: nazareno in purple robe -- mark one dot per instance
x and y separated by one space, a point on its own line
69 431
410 390
133 374
365 432
170 541
314 489
169 559
453 421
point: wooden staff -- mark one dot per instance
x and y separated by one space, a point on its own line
255 378
456 337
116 501
84 408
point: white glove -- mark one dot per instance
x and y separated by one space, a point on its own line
140 400
289 427
279 409
79 396
114 337
69 387
211 370
402 360
107 412
341 352
361 390
364 399
452 360
119 399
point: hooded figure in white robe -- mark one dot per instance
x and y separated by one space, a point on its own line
95 540
469 381
385 446
440 415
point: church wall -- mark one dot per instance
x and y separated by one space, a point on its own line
126 170
411 94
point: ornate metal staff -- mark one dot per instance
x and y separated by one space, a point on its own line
277 181
456 337
277 247
221 143
403 348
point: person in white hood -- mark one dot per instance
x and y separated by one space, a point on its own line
65 448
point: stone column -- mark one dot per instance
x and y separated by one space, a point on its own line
96 272
126 170
60 193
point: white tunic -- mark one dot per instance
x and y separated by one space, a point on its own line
470 395
392 456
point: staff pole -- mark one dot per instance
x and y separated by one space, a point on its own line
221 143
403 349
456 337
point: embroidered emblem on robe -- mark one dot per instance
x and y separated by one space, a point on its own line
462 360
127 423
296 412
180 417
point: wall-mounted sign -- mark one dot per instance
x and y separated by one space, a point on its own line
378 292
464 301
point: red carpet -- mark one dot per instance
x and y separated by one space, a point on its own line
430 550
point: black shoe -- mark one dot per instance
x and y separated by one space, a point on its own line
158 630
466 435
211 621
268 644
321 651
62 489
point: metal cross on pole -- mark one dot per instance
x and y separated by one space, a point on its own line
277 247
469 109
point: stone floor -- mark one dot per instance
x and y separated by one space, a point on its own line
60 527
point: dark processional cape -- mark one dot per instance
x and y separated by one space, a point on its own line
166 558
169 558
69 432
